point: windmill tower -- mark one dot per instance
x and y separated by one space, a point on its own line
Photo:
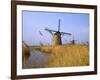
57 35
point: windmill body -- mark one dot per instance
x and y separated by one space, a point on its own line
57 38
57 35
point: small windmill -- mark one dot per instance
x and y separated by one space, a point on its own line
57 34
73 41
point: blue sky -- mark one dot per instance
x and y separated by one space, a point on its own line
35 22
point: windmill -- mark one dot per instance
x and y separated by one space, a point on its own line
57 34
73 41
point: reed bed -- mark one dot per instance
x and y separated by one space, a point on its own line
66 55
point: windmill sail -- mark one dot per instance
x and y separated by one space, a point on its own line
65 33
50 31
59 26
40 33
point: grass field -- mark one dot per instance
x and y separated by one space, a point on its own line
67 55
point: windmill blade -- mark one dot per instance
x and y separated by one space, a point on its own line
40 33
65 33
59 25
50 31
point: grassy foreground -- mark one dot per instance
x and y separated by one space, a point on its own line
67 55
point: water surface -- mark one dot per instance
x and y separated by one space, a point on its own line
35 60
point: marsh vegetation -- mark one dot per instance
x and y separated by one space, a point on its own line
59 56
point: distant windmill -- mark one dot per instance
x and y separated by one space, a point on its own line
57 34
73 41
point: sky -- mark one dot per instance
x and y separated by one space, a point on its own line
35 22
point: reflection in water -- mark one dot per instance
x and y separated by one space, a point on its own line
35 60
